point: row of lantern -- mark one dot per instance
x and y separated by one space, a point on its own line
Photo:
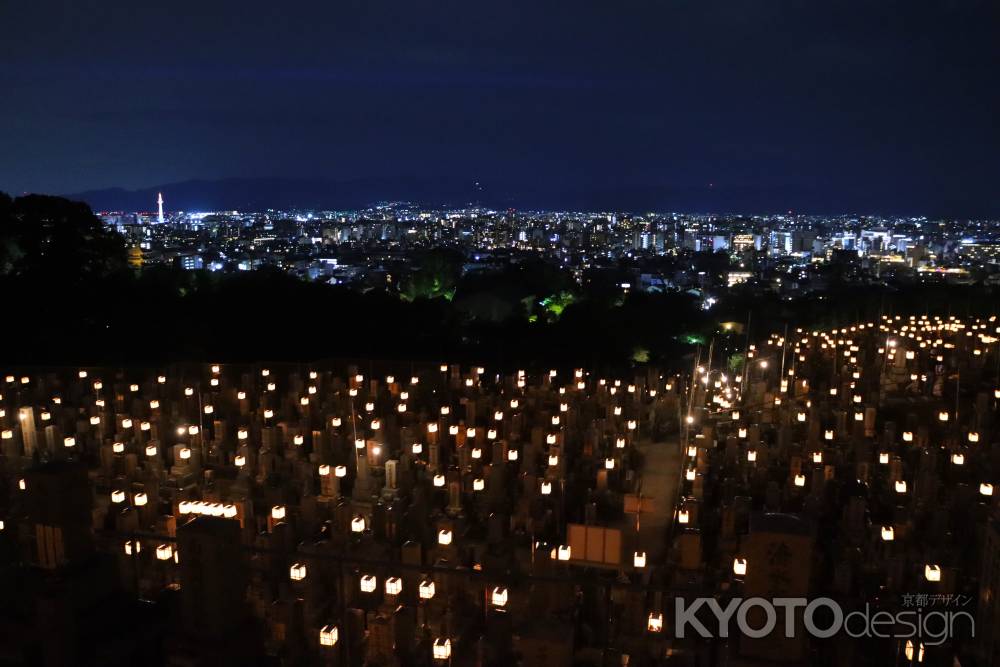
329 635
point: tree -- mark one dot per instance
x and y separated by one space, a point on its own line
52 237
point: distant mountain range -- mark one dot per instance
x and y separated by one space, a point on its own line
255 194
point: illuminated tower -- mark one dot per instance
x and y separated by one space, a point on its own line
159 204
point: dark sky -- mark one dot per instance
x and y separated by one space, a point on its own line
879 105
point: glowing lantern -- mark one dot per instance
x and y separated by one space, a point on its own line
546 488
358 524
888 534
639 559
426 589
140 499
118 447
240 460
973 437
393 586
740 567
150 450
900 486
751 455
278 512
444 537
368 583
328 635
958 459
914 653
943 416
564 552
883 457
690 474
609 464
512 455
932 573
117 496
69 442
297 571
683 516
817 457
985 489
417 448
441 650
439 480
340 471
655 622
499 597
164 552
185 453
800 480
478 484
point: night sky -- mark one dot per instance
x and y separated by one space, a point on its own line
819 105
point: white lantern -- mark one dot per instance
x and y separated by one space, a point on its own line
888 534
297 572
932 573
444 537
441 649
328 635
368 583
740 567
393 586
639 559
654 623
